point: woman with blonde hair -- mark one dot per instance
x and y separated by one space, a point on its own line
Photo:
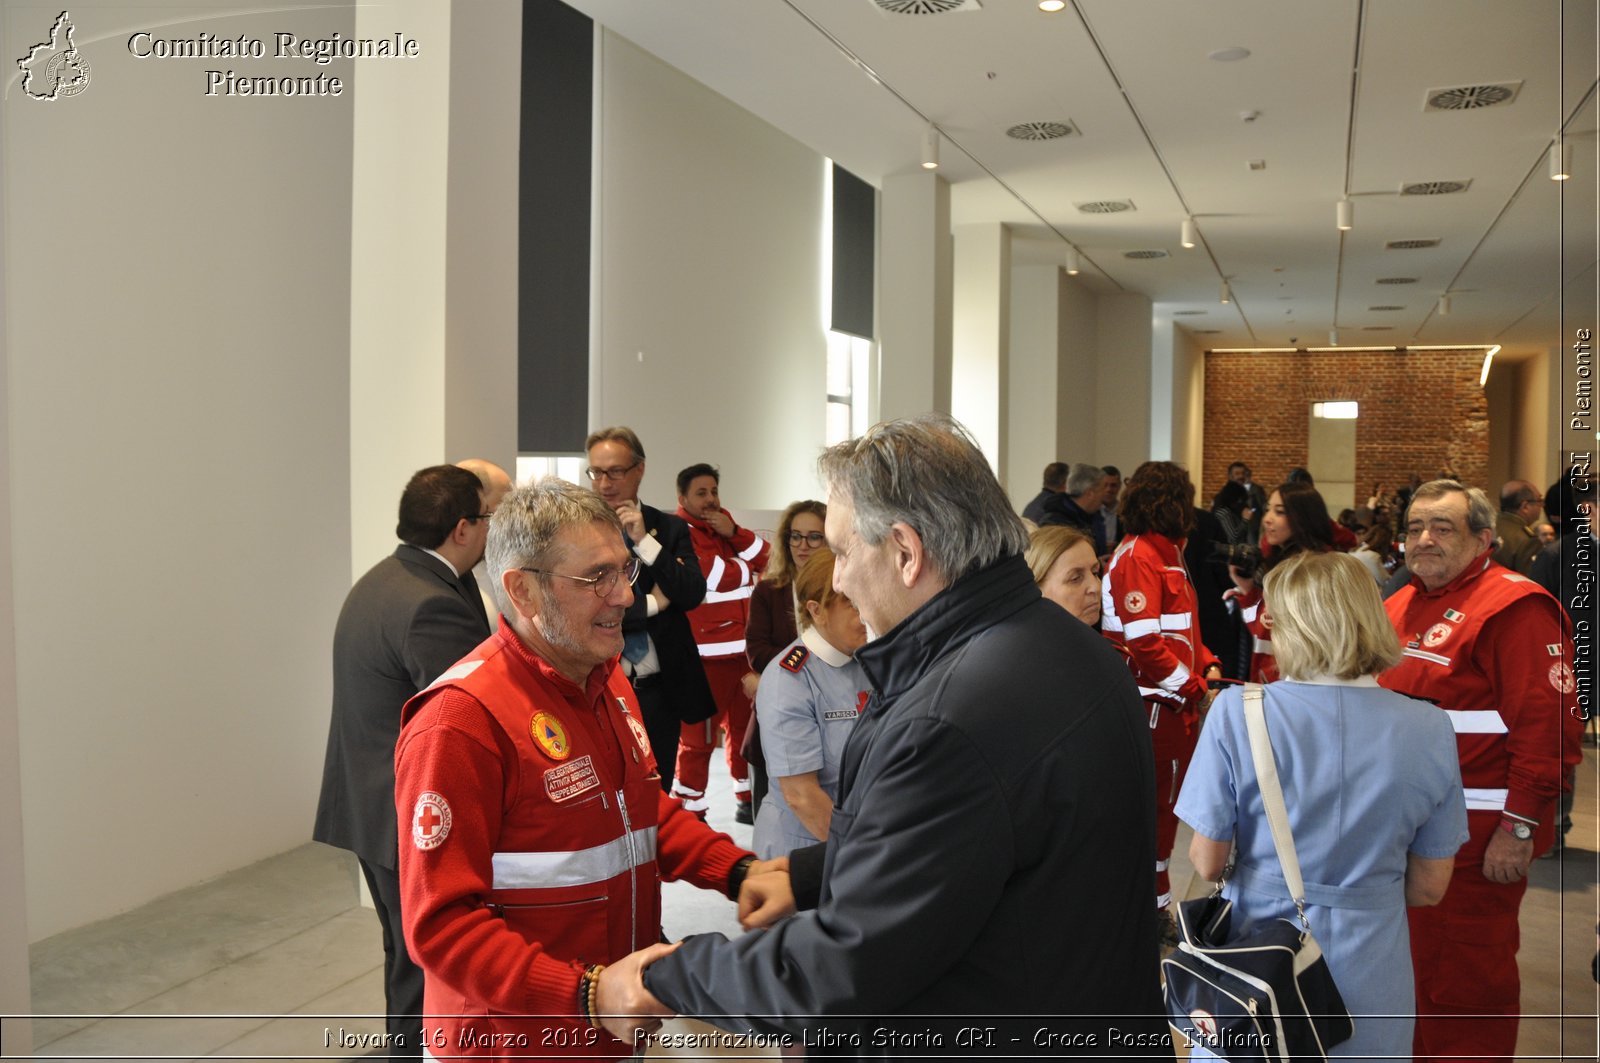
1066 571
1371 781
808 702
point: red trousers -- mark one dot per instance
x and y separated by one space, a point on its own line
1464 958
1173 737
698 739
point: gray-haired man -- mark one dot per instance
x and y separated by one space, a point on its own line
994 837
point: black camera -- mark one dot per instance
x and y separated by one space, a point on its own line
1242 556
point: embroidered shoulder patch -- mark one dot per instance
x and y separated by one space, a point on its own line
430 821
795 659
1553 649
1133 602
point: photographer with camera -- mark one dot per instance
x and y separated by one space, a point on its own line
1296 521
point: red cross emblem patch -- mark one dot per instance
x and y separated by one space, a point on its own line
430 821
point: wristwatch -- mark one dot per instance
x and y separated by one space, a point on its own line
1516 828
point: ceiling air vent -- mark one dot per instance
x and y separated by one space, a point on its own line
927 7
1188 313
1434 188
1395 280
1385 308
1377 328
1041 130
1208 332
1152 253
1105 206
1471 97
1409 245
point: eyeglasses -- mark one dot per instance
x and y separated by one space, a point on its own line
602 583
811 539
480 516
615 473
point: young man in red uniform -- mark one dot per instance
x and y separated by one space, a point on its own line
534 835
1491 648
733 559
1148 610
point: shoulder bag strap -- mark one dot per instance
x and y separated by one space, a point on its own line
1255 718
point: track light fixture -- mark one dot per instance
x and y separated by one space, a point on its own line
1560 159
930 148
1074 264
1444 304
1333 337
1226 296
1345 215
1190 235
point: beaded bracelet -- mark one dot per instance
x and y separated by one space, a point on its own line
589 993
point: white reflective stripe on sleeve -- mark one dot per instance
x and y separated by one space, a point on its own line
1426 656
727 596
749 553
715 575
1250 612
744 572
1263 647
522 871
1140 628
1175 681
1109 620
721 649
1175 621
1476 722
459 670
1484 800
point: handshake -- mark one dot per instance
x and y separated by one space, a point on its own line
628 1011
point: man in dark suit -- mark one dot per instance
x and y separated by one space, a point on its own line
411 617
659 652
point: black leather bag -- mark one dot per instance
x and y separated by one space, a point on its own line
1268 994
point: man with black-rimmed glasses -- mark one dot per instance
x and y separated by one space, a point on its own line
534 836
659 654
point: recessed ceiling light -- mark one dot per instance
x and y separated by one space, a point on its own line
1052 6
1229 55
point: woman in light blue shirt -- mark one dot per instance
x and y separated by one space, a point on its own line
809 699
1372 784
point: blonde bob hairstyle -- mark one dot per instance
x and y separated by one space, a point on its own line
1050 542
814 583
1327 618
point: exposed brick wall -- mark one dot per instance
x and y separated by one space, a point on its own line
1421 411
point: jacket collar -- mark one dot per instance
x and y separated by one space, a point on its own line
895 661
598 678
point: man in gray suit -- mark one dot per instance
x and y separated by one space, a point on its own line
412 616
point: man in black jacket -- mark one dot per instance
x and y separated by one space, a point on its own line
993 840
659 653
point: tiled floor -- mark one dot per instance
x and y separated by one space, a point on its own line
277 961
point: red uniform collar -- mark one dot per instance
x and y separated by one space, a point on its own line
598 678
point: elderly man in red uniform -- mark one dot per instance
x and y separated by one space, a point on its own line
1491 648
733 559
533 831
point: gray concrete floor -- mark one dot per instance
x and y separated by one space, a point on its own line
278 960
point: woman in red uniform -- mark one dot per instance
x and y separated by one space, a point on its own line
1148 609
1295 520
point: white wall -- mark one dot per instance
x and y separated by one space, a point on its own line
981 335
178 315
710 335
1078 387
1123 349
1031 394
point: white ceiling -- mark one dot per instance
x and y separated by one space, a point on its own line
1338 88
